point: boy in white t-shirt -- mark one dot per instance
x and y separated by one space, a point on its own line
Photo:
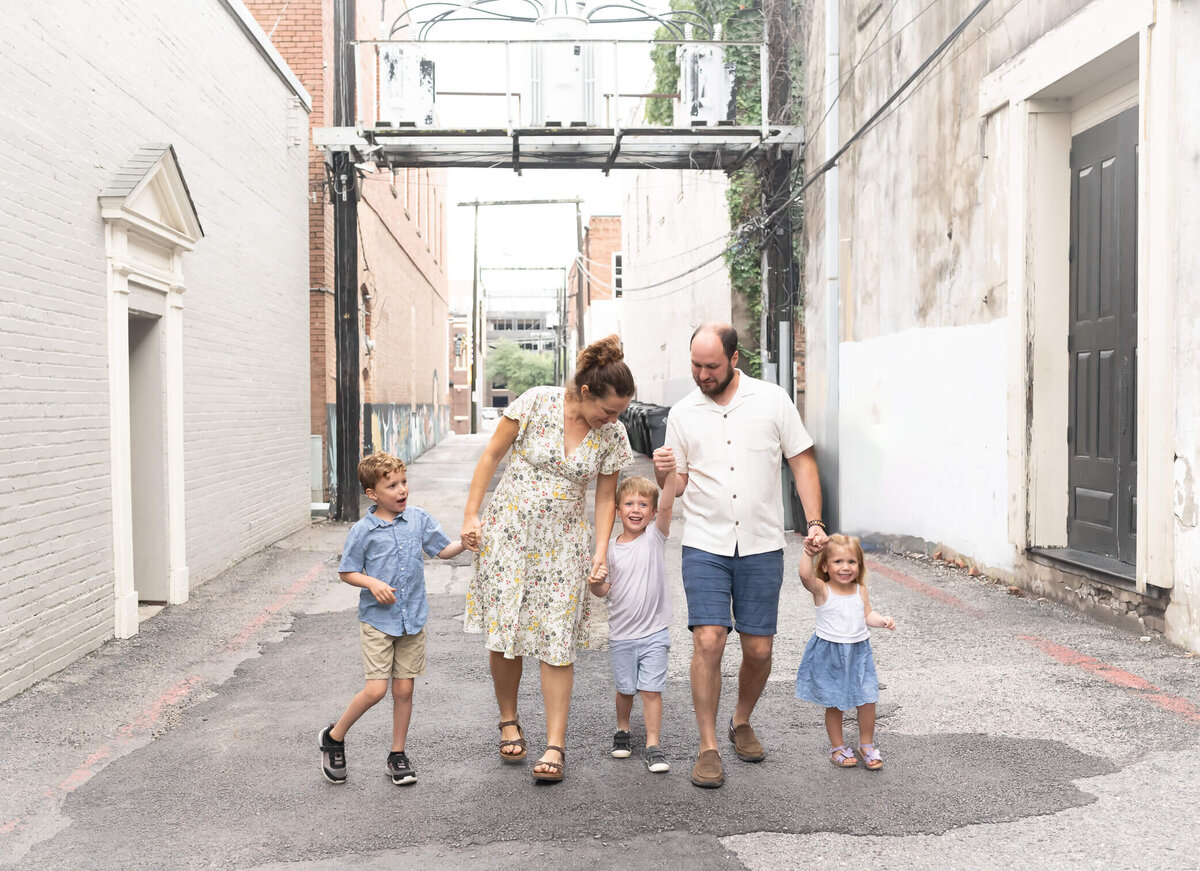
639 609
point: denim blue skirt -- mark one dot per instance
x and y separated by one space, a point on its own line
836 675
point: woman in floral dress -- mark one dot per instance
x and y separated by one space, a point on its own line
529 592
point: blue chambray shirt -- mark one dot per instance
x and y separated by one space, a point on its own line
392 553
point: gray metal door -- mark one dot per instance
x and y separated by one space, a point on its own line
1102 433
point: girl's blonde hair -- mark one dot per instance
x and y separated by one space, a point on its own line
848 542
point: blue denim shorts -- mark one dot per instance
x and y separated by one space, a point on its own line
640 664
741 592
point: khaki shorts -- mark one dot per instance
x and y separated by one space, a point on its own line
391 656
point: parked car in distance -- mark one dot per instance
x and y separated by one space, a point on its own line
490 413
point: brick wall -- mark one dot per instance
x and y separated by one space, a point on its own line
140 72
602 240
302 32
401 230
408 308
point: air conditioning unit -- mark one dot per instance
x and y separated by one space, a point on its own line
562 74
707 86
406 86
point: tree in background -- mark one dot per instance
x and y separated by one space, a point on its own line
518 369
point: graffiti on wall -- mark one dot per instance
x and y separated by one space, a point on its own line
406 431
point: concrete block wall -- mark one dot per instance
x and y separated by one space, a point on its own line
128 73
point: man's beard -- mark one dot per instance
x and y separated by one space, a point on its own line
718 388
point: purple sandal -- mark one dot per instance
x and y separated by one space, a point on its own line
870 757
843 757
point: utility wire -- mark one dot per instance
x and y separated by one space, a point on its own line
764 221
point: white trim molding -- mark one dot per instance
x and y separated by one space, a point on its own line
1109 56
150 221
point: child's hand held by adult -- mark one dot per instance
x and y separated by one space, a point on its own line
664 461
470 533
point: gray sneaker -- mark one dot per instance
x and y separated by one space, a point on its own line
333 757
656 760
400 768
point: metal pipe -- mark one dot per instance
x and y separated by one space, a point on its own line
828 452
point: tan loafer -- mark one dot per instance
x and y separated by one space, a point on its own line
745 743
707 772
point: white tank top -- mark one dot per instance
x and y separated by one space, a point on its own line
842 619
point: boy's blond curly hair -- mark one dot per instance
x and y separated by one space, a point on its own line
372 469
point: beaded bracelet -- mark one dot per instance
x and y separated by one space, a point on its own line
819 523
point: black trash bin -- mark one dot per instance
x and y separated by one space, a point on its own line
656 425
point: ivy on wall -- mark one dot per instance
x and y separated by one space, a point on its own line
735 21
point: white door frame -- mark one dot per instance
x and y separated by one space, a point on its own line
149 222
1040 131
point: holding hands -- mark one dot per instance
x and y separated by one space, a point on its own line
664 463
814 541
470 532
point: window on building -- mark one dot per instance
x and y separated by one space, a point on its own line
618 277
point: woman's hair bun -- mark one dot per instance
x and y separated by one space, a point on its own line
601 352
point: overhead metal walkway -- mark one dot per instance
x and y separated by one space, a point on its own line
719 147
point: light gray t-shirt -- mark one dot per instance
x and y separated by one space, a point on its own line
638 602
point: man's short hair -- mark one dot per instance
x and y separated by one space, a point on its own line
727 334
373 469
641 487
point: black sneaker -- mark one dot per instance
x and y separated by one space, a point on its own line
400 768
333 757
622 745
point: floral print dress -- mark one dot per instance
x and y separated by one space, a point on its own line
529 592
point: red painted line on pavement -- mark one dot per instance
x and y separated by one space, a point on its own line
97 759
924 588
150 715
1168 702
1165 701
239 641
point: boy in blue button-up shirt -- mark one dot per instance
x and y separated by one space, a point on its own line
383 555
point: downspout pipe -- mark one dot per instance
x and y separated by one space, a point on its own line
828 448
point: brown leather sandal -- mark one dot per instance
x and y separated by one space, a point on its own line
519 741
558 767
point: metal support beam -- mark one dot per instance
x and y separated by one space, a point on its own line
613 152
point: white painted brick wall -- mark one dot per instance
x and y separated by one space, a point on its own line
86 83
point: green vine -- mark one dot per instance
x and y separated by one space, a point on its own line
736 21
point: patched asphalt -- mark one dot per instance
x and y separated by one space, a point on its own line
197 740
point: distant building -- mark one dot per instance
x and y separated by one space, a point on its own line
671 220
154 343
601 254
525 315
460 373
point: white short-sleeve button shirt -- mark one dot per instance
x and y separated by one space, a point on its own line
732 455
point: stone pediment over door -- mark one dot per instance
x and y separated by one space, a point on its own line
150 196
150 222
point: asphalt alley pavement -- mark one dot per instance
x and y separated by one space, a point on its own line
1015 733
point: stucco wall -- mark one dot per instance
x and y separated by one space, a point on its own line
656 324
924 441
1183 619
932 262
141 72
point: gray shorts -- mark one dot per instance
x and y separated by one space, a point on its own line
640 664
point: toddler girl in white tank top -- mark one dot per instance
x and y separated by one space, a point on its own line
838 668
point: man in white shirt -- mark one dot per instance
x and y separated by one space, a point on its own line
725 440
